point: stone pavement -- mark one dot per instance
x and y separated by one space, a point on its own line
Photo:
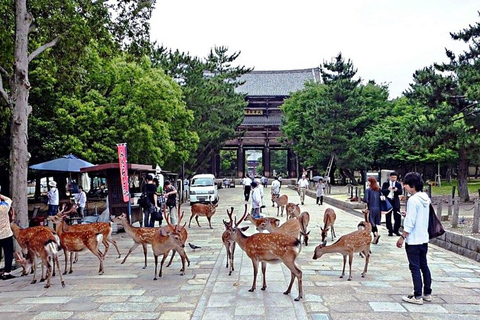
207 292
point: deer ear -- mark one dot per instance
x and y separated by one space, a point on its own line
244 228
308 232
163 232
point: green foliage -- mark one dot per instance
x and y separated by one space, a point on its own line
208 87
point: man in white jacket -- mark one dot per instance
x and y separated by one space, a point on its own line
415 235
256 200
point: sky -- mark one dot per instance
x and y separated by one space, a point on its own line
387 40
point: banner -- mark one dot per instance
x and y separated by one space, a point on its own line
122 161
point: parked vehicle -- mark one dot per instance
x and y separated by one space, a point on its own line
203 189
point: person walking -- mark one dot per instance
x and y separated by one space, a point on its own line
247 187
302 186
415 236
392 189
256 200
320 191
53 199
275 189
6 236
81 201
372 199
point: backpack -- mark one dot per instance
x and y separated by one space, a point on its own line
144 201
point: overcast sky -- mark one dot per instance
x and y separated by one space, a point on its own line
387 40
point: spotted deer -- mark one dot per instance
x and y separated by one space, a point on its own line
38 241
183 233
356 241
329 218
204 210
78 241
271 248
140 235
292 227
304 220
165 240
262 221
228 242
281 201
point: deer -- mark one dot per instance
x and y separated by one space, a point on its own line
292 227
329 218
105 228
293 210
183 234
281 201
168 238
228 242
140 235
204 210
262 221
304 219
76 241
356 241
38 241
269 248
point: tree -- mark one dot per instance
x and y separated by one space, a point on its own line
209 88
44 24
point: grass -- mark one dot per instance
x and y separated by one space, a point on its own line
446 188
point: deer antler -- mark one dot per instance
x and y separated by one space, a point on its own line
166 216
242 218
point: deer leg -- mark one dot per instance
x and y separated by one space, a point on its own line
196 218
367 259
295 273
111 240
350 260
165 255
227 247
76 257
278 211
171 259
344 262
106 245
55 261
209 222
332 231
66 260
71 264
232 256
135 245
255 272
264 269
183 255
144 245
190 221
34 270
93 247
49 272
156 263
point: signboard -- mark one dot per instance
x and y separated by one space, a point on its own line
122 161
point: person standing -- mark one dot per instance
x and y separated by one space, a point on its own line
372 199
53 199
415 236
280 180
6 236
264 181
320 191
275 189
171 201
151 190
81 201
256 200
247 187
392 189
302 188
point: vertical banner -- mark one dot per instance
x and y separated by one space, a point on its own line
122 161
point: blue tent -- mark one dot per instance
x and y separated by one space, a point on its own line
68 163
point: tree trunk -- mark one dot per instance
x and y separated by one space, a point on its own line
463 175
20 88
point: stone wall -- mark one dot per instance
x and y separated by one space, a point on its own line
458 243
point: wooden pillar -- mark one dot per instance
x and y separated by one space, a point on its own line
215 163
291 164
266 161
240 162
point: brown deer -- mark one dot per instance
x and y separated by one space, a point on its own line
293 210
105 228
329 218
304 220
204 210
356 241
38 241
262 221
228 242
140 235
281 201
183 234
271 248
78 241
292 227
166 240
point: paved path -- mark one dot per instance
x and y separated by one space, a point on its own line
207 292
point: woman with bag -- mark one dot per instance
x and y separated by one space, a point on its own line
372 199
171 203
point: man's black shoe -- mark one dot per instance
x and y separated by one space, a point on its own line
390 234
8 276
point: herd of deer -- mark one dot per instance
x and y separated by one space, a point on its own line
282 243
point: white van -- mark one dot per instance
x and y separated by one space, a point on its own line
203 189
